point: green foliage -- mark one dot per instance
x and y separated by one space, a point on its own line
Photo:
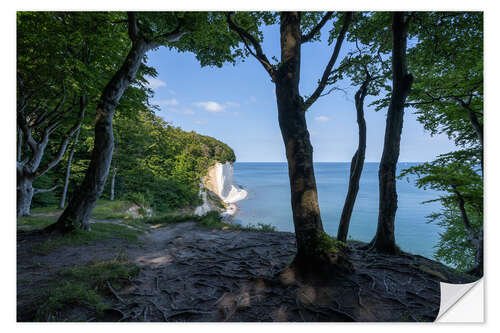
454 247
455 175
161 166
447 63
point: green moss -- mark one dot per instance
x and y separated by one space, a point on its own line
100 231
34 222
85 286
117 272
106 209
68 295
327 244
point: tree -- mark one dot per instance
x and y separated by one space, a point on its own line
146 32
56 74
77 213
448 97
291 115
459 177
384 240
365 70
37 119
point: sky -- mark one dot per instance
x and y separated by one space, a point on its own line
237 105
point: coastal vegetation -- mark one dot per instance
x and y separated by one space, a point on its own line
100 173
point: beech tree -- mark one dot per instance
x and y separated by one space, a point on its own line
146 31
291 115
384 240
365 70
447 62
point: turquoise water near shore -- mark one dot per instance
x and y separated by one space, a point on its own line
268 202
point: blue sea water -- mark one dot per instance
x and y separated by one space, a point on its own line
268 202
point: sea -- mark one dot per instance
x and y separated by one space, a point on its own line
268 202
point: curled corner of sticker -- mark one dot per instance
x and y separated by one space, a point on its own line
461 303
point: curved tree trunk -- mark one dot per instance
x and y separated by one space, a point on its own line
299 152
68 170
384 240
76 214
357 163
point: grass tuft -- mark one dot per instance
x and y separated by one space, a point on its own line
85 286
100 231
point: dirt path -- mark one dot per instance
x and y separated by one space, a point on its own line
194 274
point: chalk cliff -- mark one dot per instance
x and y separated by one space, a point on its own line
219 181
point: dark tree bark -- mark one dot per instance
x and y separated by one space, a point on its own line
76 215
299 152
357 163
291 116
384 240
62 203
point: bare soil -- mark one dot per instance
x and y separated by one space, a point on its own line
190 273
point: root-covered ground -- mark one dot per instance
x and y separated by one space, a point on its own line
188 273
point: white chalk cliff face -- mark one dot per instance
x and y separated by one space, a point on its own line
219 180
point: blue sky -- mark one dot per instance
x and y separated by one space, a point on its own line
237 105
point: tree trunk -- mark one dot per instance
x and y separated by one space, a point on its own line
25 193
112 195
357 163
299 152
76 214
68 170
384 240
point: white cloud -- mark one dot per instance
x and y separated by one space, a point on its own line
210 106
215 107
252 99
166 102
155 83
232 105
322 119
181 111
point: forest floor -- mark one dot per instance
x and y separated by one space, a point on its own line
132 271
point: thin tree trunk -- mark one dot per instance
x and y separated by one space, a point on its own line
68 170
474 238
384 240
76 214
299 152
19 144
112 195
357 163
25 193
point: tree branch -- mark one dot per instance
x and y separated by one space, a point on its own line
328 70
64 143
43 190
317 28
258 53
